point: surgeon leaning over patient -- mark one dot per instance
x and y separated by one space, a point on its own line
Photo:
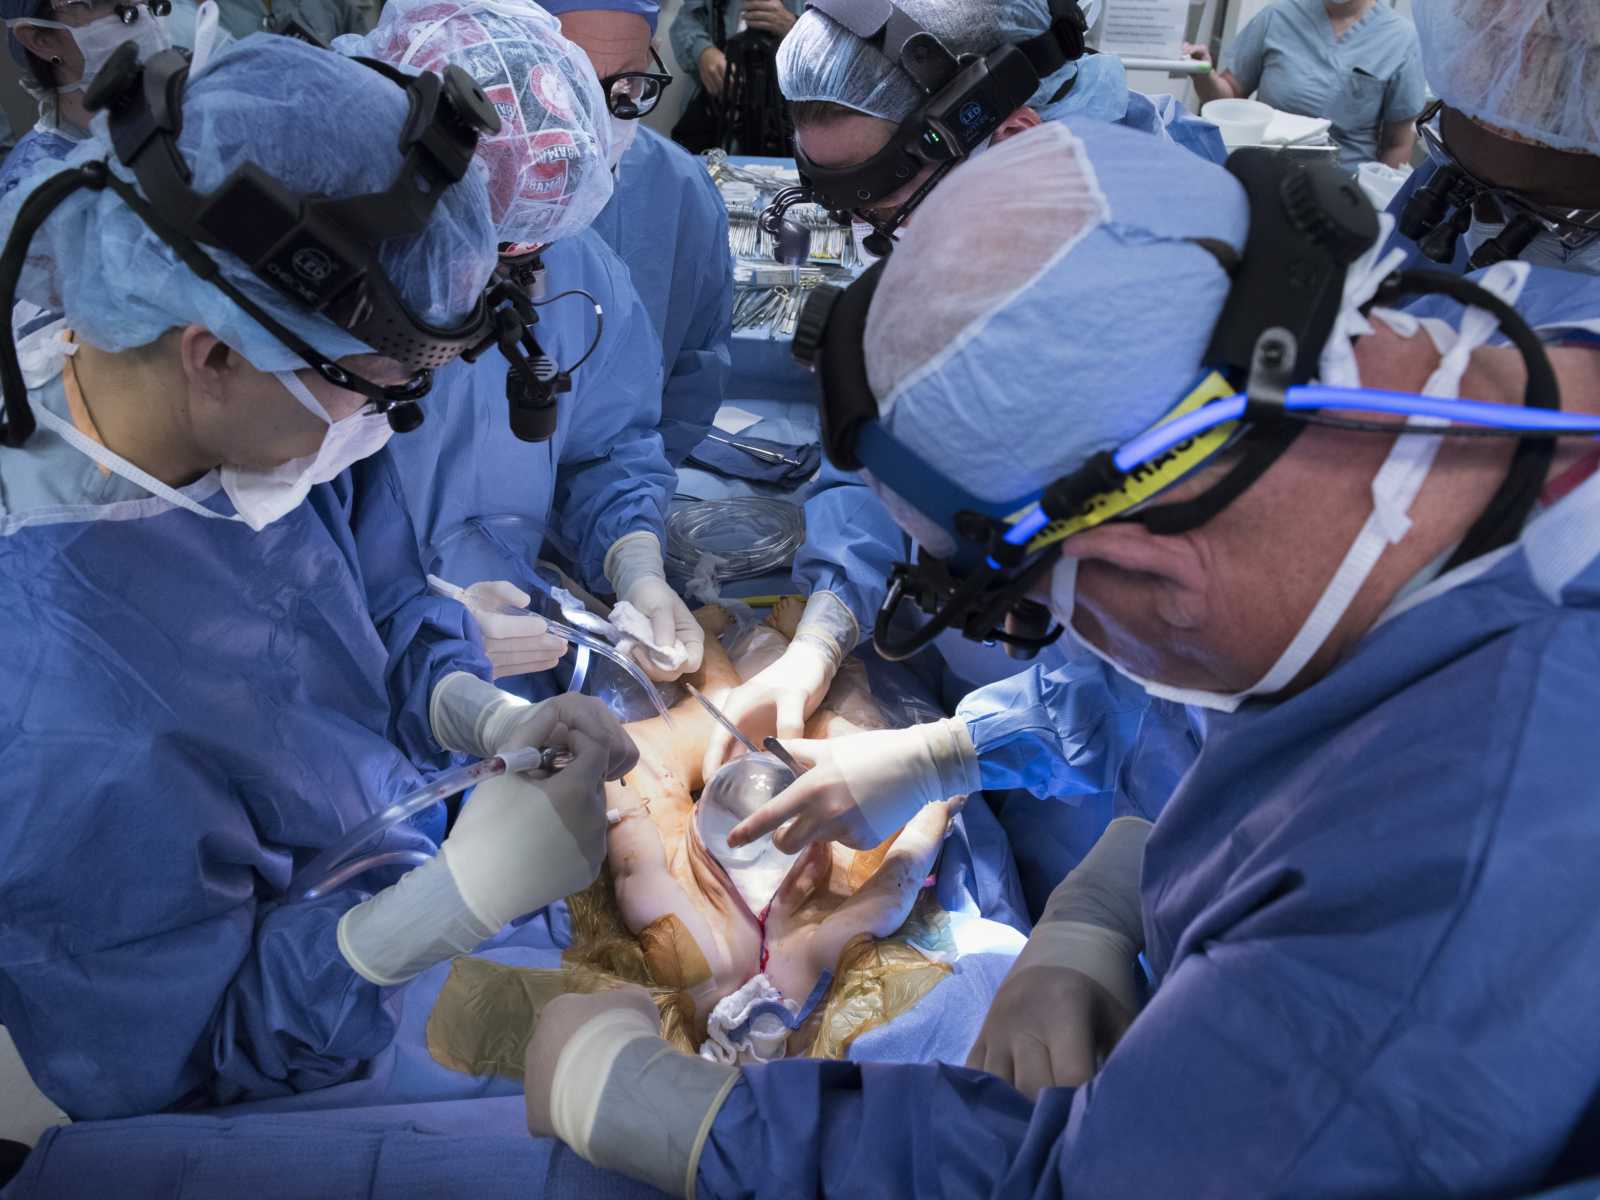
596 484
1368 907
225 655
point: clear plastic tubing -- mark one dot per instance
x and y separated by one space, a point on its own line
343 860
606 650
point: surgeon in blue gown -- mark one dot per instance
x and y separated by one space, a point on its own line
1520 113
224 656
1110 748
665 220
484 502
1369 906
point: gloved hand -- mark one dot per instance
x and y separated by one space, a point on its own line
864 786
521 843
1071 994
516 644
470 716
778 699
599 1077
635 569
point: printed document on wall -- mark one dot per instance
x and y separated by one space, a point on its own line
1144 28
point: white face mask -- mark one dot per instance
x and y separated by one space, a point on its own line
860 231
262 497
1394 488
101 37
622 135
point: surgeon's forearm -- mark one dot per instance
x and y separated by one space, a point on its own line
851 545
1216 85
601 500
1399 140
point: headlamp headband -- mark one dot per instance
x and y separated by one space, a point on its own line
1308 224
968 96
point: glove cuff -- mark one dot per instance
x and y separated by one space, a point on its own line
954 757
1102 954
828 625
469 716
408 927
633 557
1103 890
627 1100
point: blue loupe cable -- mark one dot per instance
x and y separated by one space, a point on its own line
1153 443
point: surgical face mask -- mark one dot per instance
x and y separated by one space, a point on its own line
1546 250
860 231
736 791
1394 488
262 497
622 135
97 40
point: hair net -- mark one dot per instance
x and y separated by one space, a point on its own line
121 286
822 60
549 172
650 10
1049 301
1529 66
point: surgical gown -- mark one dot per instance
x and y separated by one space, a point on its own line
38 146
667 222
602 474
188 711
1370 912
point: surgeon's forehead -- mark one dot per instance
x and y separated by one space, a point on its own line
843 141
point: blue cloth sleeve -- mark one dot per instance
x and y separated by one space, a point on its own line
427 636
159 964
1246 57
1061 732
1407 92
614 478
698 378
691 36
851 544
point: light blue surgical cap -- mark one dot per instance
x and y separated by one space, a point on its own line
822 60
121 286
1529 66
1050 301
650 10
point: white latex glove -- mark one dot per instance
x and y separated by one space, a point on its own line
470 716
522 842
516 643
778 699
635 569
599 1077
1071 994
864 786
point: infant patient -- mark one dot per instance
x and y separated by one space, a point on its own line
710 923
745 961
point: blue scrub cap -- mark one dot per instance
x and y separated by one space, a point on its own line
822 60
120 286
549 166
1528 66
1050 301
648 9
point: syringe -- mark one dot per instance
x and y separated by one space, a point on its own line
344 861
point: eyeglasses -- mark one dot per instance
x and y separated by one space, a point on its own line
126 12
632 94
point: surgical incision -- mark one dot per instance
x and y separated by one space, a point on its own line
675 910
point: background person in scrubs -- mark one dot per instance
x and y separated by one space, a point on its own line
1352 61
